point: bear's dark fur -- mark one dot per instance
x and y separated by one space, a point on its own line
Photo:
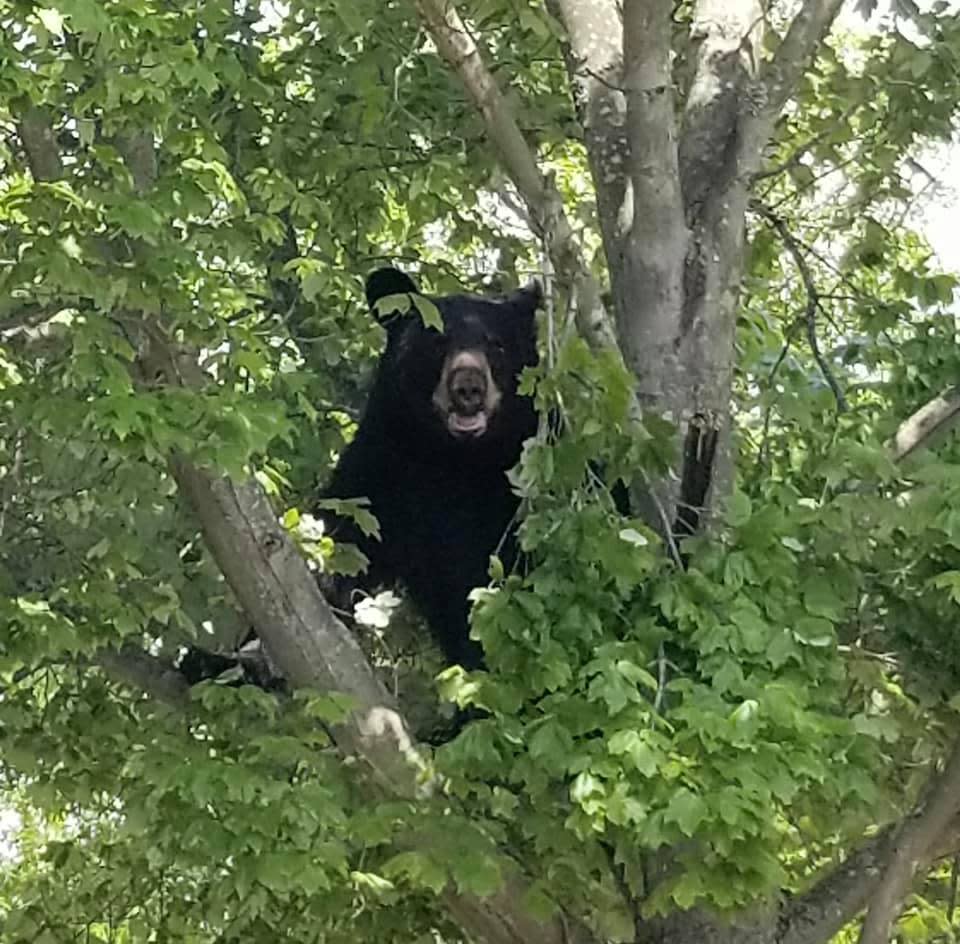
443 424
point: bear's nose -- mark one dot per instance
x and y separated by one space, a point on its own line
468 390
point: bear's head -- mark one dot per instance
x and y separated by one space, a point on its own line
457 386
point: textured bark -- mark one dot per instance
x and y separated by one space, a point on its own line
650 277
40 145
594 55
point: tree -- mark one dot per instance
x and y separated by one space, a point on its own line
736 729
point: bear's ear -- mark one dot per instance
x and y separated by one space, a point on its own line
384 282
526 300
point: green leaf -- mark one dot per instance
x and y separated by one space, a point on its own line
687 810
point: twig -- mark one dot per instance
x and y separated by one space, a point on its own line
813 301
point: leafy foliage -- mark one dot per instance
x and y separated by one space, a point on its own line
756 710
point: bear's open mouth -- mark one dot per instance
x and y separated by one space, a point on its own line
461 425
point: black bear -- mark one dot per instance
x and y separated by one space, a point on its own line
443 424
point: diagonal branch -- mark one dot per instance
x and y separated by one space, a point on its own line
779 78
844 890
813 300
926 424
543 201
313 649
911 849
273 584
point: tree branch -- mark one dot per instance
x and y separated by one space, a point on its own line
926 424
273 584
543 201
831 902
40 144
793 247
27 317
313 649
911 849
650 323
144 672
727 38
843 891
778 80
594 57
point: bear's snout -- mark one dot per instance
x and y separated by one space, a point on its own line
466 395
468 390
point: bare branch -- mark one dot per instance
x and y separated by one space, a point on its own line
40 144
144 672
813 300
914 840
931 420
543 201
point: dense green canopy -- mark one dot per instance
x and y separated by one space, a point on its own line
216 179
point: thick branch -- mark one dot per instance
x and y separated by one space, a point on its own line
779 78
273 584
727 38
541 197
594 56
650 324
911 850
846 889
930 421
146 673
40 144
832 902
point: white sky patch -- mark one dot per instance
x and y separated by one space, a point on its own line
10 824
